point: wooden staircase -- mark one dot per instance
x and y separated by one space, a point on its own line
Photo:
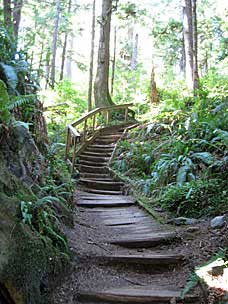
123 254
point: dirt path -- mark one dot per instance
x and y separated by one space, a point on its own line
121 254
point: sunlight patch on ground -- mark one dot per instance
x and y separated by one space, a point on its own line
215 274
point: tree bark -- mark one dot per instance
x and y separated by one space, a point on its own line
113 62
69 58
54 43
153 88
18 4
195 47
188 41
65 45
7 11
101 88
134 53
91 58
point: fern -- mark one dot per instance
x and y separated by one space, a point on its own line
4 100
18 101
10 75
191 283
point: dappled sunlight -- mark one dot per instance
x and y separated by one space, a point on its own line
215 274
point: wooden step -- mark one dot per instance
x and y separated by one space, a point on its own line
91 163
104 203
101 146
99 149
96 159
144 240
94 176
97 154
102 185
104 192
149 294
148 259
93 169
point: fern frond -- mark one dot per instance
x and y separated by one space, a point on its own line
9 74
20 100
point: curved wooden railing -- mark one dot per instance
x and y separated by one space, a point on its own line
83 130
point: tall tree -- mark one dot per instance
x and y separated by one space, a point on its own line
101 88
91 58
18 4
153 87
134 53
54 43
195 46
113 61
7 11
190 42
65 44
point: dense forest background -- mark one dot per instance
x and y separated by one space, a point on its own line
60 59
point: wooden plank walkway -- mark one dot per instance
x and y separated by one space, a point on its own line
127 246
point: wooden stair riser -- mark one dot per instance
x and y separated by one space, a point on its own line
92 169
100 185
153 297
91 163
103 192
94 154
94 158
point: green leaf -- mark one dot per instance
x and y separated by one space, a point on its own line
10 75
206 157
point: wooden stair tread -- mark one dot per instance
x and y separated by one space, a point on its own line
111 203
143 295
144 240
104 192
91 163
154 259
101 182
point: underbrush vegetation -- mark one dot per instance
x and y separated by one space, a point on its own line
180 158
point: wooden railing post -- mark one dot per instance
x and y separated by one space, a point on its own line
68 139
107 117
94 122
126 114
85 129
74 154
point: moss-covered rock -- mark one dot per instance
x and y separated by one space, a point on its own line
28 259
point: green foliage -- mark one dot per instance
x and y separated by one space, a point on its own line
197 198
181 159
4 103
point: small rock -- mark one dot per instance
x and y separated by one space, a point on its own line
193 229
184 221
218 222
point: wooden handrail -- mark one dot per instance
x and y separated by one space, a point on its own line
74 136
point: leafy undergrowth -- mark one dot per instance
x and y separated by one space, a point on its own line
180 160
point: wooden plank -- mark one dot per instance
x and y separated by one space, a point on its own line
136 295
92 204
144 240
148 259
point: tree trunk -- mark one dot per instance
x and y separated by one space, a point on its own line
91 58
134 53
54 43
195 47
65 45
7 11
113 62
183 59
153 88
101 89
188 41
18 4
69 58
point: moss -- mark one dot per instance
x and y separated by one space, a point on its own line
28 260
